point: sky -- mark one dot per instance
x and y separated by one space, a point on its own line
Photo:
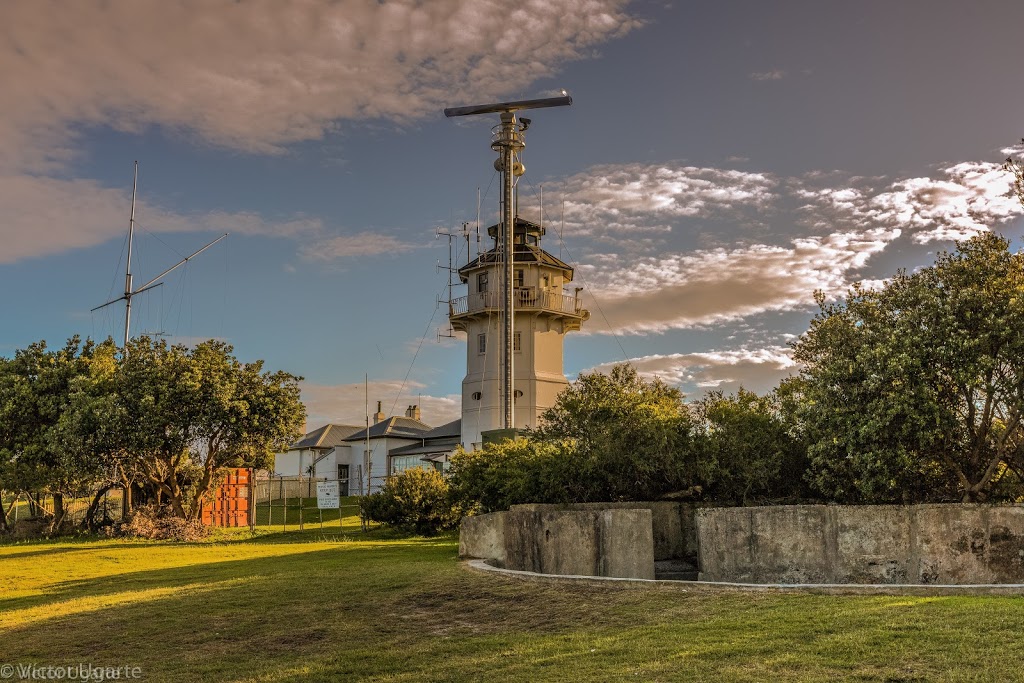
720 162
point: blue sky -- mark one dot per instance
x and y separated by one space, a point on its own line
720 162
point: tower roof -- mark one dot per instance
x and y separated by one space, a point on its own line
526 250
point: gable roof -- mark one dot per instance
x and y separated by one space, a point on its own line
396 427
328 436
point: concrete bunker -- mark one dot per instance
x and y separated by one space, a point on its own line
933 544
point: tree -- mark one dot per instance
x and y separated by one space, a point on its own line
36 387
185 415
750 449
630 437
915 391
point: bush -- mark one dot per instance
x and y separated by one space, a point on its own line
521 471
415 501
158 524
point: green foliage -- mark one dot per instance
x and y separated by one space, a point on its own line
751 451
167 416
628 438
915 392
504 474
607 438
416 501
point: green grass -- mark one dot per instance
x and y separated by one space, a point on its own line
318 606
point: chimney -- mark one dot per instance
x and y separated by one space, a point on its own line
379 415
413 412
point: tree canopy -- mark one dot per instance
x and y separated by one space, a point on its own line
165 417
915 391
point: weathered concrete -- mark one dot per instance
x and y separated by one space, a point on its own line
483 536
922 544
595 542
673 524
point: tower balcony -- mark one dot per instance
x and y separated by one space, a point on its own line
524 299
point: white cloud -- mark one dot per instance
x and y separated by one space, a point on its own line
647 285
713 286
346 403
262 74
757 370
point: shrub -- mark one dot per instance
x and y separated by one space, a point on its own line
415 501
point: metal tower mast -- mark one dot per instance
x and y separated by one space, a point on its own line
128 291
508 141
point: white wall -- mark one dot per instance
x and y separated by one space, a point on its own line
378 461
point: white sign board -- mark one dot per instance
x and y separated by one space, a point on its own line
327 495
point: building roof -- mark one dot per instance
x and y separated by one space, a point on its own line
327 437
453 428
396 427
438 441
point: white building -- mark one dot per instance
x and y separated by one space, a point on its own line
317 453
543 314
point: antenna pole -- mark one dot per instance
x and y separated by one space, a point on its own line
128 269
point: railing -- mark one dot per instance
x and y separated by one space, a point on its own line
525 298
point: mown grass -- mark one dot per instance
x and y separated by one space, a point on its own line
315 606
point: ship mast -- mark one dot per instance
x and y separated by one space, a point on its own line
508 141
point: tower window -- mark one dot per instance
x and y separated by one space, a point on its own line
517 341
481 343
481 281
518 279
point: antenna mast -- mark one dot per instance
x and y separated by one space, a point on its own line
508 141
128 291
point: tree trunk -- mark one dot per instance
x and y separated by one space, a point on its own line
89 522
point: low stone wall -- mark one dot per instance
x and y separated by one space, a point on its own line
925 544
593 542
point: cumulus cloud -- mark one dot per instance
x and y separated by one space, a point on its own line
262 74
345 403
620 202
965 199
757 370
719 285
651 284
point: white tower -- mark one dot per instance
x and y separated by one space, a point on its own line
522 284
544 313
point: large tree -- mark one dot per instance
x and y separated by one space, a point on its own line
630 436
915 391
36 390
186 414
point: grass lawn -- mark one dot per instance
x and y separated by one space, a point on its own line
343 605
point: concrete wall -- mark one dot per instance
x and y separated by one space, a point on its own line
673 525
927 544
598 542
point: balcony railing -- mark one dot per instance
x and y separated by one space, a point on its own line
524 298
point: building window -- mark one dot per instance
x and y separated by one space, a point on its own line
518 279
481 281
545 281
401 463
481 343
516 339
